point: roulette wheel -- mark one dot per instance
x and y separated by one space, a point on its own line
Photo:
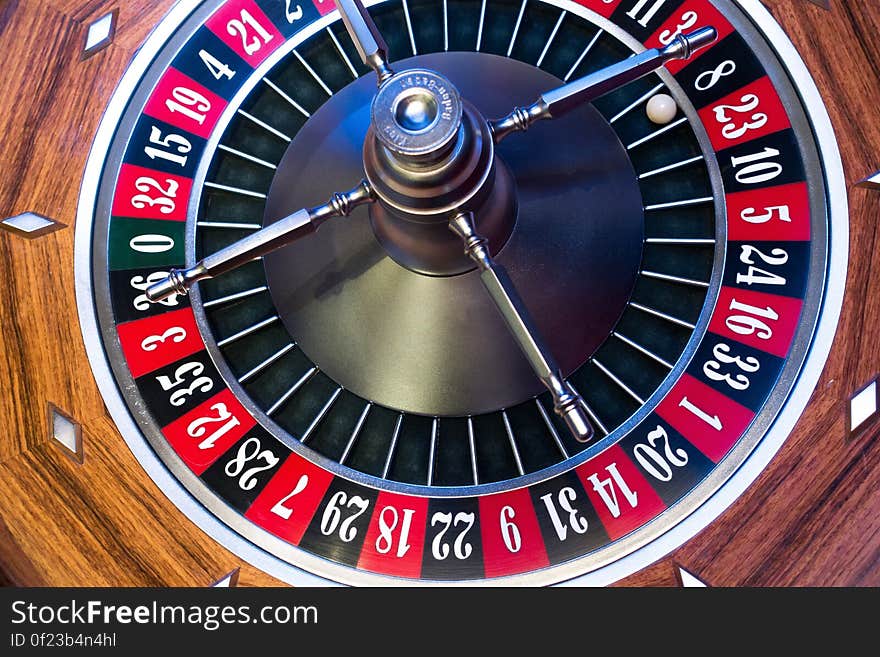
517 292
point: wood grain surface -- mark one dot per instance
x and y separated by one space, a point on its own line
811 519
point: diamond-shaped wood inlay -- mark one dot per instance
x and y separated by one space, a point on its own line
30 225
66 433
227 581
100 33
688 580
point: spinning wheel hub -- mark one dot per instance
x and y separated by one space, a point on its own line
417 115
428 154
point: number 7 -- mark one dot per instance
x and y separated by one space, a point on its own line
284 511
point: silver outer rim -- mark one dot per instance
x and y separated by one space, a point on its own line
734 485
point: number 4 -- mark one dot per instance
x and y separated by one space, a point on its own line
217 68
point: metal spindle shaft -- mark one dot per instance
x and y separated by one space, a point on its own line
287 230
367 39
558 102
566 402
